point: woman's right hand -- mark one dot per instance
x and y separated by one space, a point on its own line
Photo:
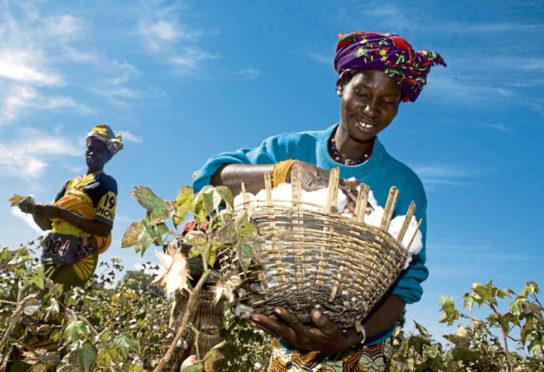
315 178
27 206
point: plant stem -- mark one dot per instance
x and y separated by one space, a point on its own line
9 302
100 341
184 322
504 339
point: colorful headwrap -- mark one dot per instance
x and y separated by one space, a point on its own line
104 133
389 53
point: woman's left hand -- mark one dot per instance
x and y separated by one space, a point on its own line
47 211
324 335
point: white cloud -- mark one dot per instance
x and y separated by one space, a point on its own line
161 33
191 58
168 39
129 137
442 174
64 26
81 56
464 91
491 28
29 159
321 58
249 73
499 127
19 66
117 92
27 218
17 98
20 97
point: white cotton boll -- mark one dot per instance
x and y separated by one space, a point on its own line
372 199
239 199
375 217
417 244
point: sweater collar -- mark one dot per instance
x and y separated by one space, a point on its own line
346 171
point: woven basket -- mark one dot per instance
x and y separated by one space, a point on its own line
314 258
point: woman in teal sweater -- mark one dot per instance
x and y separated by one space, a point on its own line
376 73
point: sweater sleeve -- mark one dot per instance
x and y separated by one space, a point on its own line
270 151
408 285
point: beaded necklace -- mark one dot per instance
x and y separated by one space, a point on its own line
337 158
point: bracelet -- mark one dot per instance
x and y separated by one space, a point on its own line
363 331
360 329
280 172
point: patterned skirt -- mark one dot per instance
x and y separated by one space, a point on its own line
75 274
368 358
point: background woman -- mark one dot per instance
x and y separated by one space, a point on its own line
81 217
376 72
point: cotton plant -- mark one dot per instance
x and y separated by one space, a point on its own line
218 227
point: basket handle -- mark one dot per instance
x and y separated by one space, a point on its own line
296 188
406 222
361 203
334 180
389 207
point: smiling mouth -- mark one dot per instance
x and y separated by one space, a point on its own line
365 125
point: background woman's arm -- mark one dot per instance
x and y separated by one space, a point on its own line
89 226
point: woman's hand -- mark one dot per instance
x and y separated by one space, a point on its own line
315 178
41 213
324 335
27 205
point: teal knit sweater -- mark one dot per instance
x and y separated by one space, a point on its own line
379 172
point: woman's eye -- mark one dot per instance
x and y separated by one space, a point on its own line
361 94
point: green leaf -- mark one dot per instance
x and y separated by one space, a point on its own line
84 356
132 234
125 344
502 293
198 209
160 210
247 250
152 235
37 280
482 292
161 232
75 331
530 288
466 355
144 241
468 301
226 195
515 308
184 201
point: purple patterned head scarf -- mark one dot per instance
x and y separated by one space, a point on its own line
389 53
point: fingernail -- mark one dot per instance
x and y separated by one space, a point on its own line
252 323
277 310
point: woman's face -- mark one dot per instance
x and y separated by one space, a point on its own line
370 101
97 154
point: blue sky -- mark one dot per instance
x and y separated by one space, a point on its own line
184 80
